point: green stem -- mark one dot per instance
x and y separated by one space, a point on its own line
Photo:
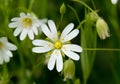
76 15
93 4
30 5
84 4
81 23
61 18
5 74
101 49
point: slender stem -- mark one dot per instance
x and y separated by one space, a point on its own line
79 26
5 74
30 5
61 18
74 12
81 2
101 49
93 4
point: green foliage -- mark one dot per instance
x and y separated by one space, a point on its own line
88 40
100 59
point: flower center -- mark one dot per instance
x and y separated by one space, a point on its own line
57 45
1 44
26 22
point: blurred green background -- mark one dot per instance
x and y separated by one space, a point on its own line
106 66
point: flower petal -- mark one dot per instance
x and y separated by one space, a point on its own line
15 19
71 35
23 34
17 31
72 47
71 54
53 30
29 15
13 24
1 57
59 61
41 49
35 30
30 34
10 46
47 32
6 58
22 14
51 62
43 21
6 54
3 40
67 30
42 43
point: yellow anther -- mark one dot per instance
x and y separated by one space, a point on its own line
58 33
47 38
26 22
49 45
1 45
48 54
68 42
62 39
63 54
57 45
56 52
64 48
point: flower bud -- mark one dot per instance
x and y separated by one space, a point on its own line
69 69
102 29
62 9
92 16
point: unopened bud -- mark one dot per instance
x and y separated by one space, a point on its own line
92 16
69 69
62 9
102 29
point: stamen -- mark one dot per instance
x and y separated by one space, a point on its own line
58 33
56 52
49 45
62 39
57 45
26 22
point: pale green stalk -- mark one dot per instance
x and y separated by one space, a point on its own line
85 5
74 11
5 75
31 5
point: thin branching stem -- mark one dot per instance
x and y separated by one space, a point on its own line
76 15
84 4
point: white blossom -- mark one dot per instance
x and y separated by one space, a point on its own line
26 24
5 50
57 45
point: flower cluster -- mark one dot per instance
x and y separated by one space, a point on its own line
58 45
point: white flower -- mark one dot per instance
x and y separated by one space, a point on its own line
26 25
57 45
5 50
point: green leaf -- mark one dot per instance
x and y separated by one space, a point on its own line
88 40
